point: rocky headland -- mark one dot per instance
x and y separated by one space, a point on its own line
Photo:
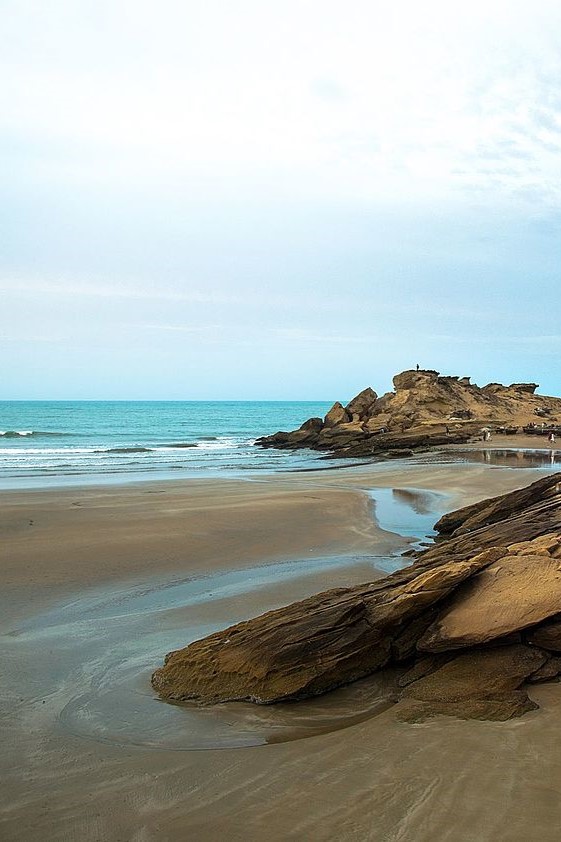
425 409
465 626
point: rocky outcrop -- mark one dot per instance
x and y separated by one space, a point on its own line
521 503
517 517
484 684
311 646
471 620
515 592
425 409
361 408
336 415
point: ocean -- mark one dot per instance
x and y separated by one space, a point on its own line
64 442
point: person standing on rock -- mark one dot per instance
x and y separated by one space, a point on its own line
417 366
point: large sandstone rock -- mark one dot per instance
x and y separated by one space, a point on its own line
409 380
336 415
310 646
312 425
362 407
466 591
520 516
486 512
514 593
425 409
482 684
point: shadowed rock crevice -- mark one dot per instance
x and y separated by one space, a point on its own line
473 618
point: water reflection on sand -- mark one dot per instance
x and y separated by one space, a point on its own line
544 458
96 652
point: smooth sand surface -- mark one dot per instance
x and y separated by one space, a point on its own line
97 584
68 536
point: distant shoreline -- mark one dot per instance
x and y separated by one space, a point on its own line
321 462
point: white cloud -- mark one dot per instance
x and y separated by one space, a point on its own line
376 101
105 289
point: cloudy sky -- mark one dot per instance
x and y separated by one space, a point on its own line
206 199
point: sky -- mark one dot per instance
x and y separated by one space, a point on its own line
206 199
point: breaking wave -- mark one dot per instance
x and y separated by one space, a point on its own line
126 450
27 434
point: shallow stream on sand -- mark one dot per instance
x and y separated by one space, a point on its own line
89 660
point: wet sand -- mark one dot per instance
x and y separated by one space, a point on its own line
104 581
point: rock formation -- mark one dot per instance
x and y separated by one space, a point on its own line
425 409
483 684
327 640
471 620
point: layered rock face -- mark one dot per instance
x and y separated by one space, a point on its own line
425 409
471 621
327 640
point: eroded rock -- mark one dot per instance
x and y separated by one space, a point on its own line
518 517
310 646
514 593
483 684
504 600
425 409
362 406
336 415
516 503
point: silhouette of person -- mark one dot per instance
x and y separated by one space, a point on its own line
417 366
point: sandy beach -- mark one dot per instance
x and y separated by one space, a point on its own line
98 583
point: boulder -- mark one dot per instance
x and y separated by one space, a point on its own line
514 593
300 438
503 601
336 415
311 646
312 425
482 684
362 406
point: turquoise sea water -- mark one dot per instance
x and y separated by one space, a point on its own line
46 442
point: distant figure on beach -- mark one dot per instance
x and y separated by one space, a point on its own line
417 366
447 429
551 437
487 435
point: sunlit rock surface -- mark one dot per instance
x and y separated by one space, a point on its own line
471 620
425 409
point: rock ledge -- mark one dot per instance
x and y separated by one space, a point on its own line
472 619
